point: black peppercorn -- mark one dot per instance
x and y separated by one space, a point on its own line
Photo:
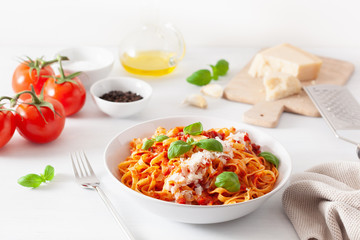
120 96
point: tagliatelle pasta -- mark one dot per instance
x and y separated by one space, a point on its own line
190 178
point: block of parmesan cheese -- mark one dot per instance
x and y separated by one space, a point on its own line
280 85
286 58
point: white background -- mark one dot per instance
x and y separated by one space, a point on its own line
256 23
230 29
62 210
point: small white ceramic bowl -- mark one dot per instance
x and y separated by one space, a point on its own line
118 149
121 109
95 63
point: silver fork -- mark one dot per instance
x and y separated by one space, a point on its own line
86 177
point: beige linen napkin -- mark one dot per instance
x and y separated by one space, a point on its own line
324 202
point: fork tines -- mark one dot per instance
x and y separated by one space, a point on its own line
80 168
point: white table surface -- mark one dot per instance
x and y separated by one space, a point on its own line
62 210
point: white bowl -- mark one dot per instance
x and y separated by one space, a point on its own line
121 109
95 63
118 149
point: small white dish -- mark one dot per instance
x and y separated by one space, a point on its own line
121 109
95 63
118 149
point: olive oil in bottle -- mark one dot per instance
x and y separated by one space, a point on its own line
149 63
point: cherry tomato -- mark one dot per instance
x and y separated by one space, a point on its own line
30 73
71 94
7 126
36 128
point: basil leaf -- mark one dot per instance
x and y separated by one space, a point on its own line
210 144
222 67
178 148
148 144
30 180
215 74
229 181
190 141
200 77
49 173
161 138
271 158
194 129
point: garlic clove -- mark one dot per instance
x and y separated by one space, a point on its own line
196 100
212 90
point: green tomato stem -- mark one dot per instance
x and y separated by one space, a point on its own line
37 101
62 74
5 97
46 63
34 97
40 63
63 78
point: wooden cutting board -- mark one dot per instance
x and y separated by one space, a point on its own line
246 89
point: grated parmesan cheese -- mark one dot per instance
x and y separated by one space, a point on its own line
227 150
238 136
198 189
194 168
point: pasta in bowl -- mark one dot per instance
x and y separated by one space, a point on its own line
197 169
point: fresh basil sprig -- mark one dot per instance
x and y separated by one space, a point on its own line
34 180
150 142
200 78
220 69
271 158
161 138
210 144
190 140
203 77
180 147
194 129
229 181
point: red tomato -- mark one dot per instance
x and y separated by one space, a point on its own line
24 77
7 126
181 200
213 134
204 200
71 95
32 126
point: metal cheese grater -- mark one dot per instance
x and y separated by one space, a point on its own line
338 107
